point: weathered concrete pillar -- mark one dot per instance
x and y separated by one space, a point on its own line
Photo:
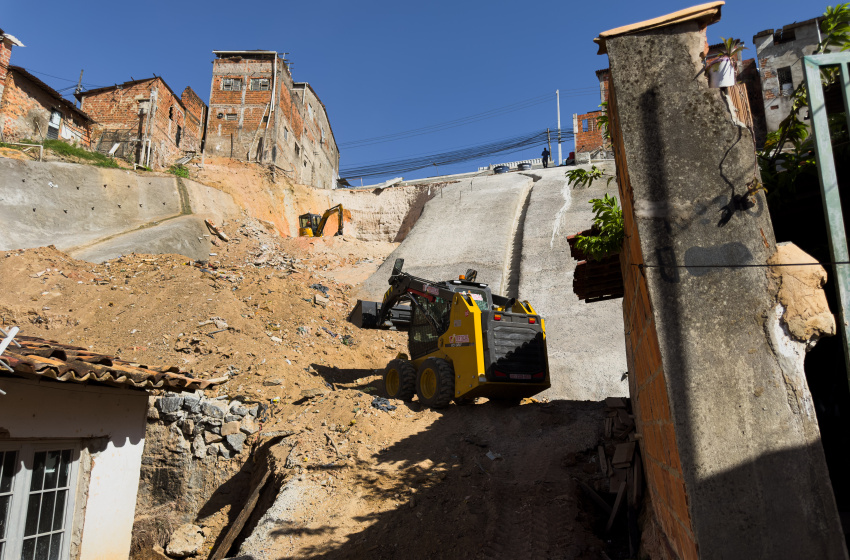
730 442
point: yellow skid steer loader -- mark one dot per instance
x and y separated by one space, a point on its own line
464 341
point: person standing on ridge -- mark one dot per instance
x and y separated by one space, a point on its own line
545 155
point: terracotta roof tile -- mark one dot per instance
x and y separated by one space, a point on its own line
38 358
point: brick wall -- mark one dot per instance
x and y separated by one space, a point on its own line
292 139
26 109
647 383
196 113
119 109
589 139
5 57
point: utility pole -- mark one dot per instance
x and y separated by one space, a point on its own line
549 142
79 88
558 103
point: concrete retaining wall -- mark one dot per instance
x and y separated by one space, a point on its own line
96 213
587 356
472 225
512 228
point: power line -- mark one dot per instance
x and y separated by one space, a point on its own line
58 78
520 105
444 158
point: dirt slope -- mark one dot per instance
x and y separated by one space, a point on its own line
361 482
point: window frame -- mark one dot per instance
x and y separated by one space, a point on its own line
259 82
226 87
21 484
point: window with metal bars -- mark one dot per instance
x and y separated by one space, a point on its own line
37 483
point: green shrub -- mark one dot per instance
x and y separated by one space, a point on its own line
607 236
179 170
66 149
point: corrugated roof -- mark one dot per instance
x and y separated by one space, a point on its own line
38 358
705 14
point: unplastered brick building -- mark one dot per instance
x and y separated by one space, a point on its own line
589 136
145 120
257 113
32 110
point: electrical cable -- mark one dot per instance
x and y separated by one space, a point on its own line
519 105
403 165
87 84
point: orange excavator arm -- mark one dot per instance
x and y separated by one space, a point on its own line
328 213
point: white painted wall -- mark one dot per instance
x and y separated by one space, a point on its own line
47 409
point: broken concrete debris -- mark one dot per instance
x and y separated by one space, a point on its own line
186 541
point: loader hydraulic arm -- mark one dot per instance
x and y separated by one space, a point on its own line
404 285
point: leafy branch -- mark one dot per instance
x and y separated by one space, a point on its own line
607 232
583 178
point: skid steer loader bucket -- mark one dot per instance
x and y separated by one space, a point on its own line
365 315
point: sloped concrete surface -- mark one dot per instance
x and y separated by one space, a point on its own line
95 213
470 225
512 228
587 353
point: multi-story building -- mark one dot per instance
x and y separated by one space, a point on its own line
257 113
780 53
145 119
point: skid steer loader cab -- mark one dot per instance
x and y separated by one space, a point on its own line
463 341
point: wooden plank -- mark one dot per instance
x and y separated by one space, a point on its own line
239 523
617 503
603 461
623 454
615 402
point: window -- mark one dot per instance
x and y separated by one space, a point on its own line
260 84
285 133
266 119
178 136
230 117
584 125
785 36
323 135
171 113
37 488
784 75
310 110
231 84
297 150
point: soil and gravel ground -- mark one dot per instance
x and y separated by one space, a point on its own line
361 482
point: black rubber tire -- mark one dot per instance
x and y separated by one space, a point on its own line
445 383
406 379
464 401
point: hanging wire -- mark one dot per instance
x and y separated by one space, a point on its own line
444 158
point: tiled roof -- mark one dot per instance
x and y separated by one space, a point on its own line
45 359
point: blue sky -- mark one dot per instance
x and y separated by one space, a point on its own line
380 67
